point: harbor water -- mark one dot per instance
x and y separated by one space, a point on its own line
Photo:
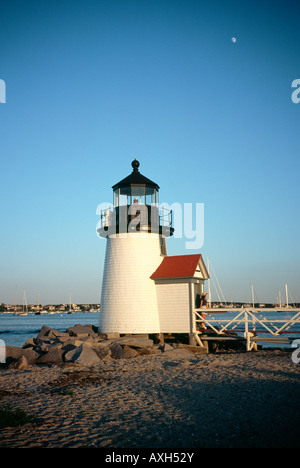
16 330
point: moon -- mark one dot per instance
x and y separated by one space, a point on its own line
233 39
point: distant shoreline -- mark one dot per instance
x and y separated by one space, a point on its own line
54 308
95 307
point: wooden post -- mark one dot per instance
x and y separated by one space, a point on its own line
192 306
192 339
161 338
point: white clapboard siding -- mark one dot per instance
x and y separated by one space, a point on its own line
128 297
173 306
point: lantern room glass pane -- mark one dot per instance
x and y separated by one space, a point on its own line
116 197
124 196
150 196
138 194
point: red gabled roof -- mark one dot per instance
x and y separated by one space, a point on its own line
177 267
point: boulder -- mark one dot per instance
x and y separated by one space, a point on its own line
83 355
20 364
81 331
31 355
102 351
44 331
165 347
135 341
68 347
194 349
13 353
29 343
80 344
53 356
58 334
143 350
47 333
117 351
129 352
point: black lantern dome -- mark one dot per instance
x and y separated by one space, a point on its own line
135 186
136 207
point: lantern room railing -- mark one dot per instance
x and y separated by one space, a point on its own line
135 218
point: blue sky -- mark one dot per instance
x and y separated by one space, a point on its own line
90 84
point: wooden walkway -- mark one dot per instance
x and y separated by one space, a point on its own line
245 322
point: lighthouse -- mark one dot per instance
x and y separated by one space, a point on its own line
135 230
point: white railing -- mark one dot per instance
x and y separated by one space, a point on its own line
249 318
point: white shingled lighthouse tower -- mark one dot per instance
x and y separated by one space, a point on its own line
135 233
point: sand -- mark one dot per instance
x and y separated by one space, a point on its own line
174 400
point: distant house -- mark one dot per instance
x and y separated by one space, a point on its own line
179 283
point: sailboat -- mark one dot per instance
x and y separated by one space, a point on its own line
286 305
24 310
287 297
39 310
25 307
15 306
70 307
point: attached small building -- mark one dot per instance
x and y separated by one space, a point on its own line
179 282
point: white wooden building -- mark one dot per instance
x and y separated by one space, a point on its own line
179 280
139 293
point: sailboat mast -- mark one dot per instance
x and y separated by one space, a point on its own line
286 294
209 293
16 294
279 293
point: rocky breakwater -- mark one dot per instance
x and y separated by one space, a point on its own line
80 344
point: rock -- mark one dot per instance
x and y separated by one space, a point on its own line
88 340
47 333
13 353
109 336
31 355
68 347
81 331
129 352
58 334
53 356
135 341
143 350
83 355
117 351
29 343
20 364
194 349
80 344
102 351
44 331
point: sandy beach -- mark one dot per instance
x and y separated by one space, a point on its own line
175 399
